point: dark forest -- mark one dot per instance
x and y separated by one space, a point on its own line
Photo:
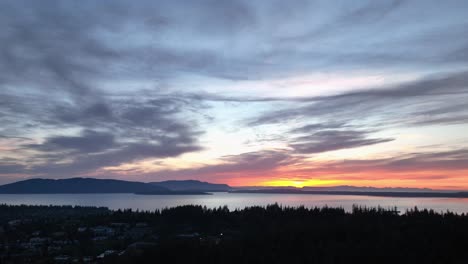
196 234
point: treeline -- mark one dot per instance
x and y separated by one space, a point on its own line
36 212
277 234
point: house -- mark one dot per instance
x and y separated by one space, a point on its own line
138 232
82 229
38 241
107 253
16 222
59 234
62 259
103 231
120 225
142 224
53 249
188 235
62 242
137 248
87 259
100 238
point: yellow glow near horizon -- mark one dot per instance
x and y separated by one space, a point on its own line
301 183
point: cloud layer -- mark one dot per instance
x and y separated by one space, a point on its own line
232 90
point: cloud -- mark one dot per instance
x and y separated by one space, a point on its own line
88 142
110 133
329 140
281 164
68 47
318 126
94 112
124 153
443 160
441 164
11 168
111 83
92 151
439 96
243 165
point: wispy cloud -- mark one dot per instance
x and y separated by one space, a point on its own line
328 140
400 104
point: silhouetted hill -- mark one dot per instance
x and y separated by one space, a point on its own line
193 185
184 192
343 188
362 193
80 185
347 188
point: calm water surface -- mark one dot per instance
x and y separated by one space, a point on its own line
233 201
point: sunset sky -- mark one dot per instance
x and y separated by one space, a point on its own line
300 93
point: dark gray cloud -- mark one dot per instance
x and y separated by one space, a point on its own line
329 140
443 164
67 47
443 160
11 168
257 161
112 132
318 126
91 151
94 112
88 142
14 137
123 153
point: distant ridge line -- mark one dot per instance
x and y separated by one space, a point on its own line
362 193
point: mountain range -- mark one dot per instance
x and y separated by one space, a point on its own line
340 188
193 185
91 185
347 188
80 185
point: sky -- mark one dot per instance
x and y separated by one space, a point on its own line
277 93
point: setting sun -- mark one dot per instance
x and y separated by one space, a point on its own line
301 183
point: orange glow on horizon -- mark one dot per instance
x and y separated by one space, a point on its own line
326 176
299 183
453 180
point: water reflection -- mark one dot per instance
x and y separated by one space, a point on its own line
233 201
